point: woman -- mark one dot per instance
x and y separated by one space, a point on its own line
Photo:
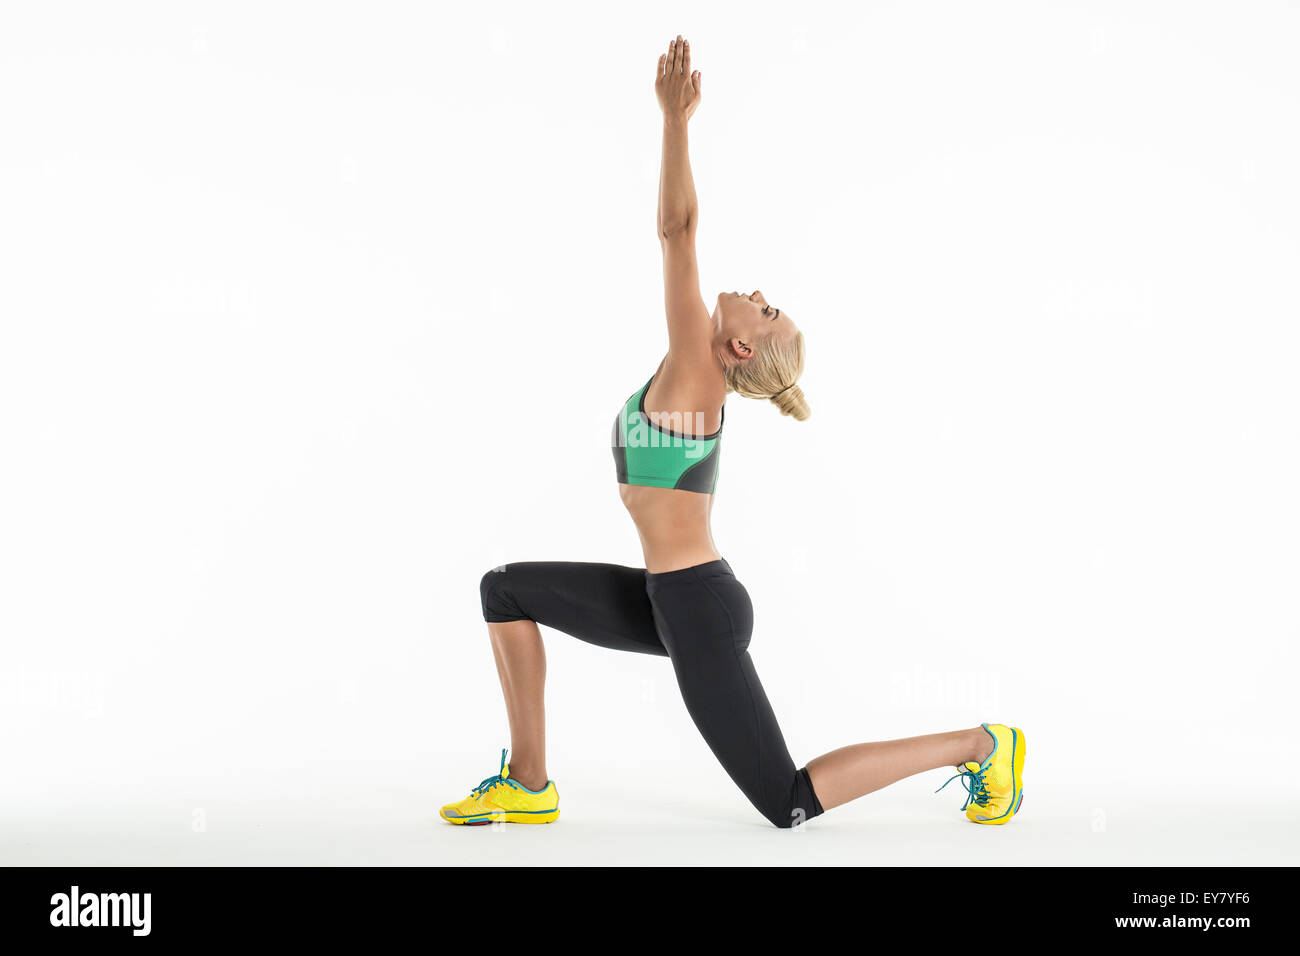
686 603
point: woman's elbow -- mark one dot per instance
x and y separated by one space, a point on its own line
676 228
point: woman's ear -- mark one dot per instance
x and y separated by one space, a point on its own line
742 350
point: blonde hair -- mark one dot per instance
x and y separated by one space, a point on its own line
771 373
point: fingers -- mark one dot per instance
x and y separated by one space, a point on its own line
678 59
659 73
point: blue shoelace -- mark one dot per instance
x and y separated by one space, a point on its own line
499 778
977 791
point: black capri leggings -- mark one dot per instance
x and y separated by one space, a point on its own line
699 617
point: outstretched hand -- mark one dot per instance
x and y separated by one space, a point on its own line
676 86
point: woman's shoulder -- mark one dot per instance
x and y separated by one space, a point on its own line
687 388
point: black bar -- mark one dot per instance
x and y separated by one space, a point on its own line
976 903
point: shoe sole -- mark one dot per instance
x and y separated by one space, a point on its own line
1017 784
504 816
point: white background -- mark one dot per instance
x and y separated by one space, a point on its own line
312 313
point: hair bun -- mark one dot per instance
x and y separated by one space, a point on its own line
790 400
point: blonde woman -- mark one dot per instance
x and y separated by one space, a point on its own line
686 603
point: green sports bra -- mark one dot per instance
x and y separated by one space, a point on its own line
645 454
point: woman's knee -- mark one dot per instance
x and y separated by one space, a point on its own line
497 597
785 816
782 813
798 804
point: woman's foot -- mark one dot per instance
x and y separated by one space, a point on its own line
500 799
994 783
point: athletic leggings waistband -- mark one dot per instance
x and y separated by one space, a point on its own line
695 570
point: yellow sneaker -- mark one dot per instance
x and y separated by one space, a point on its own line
502 800
994 787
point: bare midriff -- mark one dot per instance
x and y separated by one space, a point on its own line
673 525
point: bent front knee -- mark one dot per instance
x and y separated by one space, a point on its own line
497 597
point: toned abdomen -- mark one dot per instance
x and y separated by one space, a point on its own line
673 526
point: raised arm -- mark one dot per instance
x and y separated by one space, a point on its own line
678 89
679 94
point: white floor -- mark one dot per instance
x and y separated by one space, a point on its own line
313 819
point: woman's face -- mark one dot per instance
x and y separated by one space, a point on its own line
744 319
